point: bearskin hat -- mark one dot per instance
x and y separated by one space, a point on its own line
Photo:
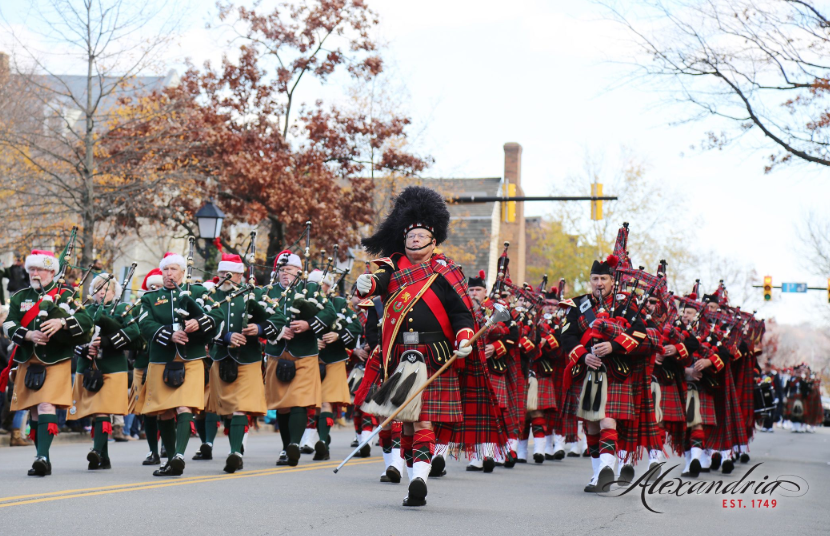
606 267
477 280
416 207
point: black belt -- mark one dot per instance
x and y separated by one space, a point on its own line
423 337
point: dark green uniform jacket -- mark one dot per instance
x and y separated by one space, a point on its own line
162 314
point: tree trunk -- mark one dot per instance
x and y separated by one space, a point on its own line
276 240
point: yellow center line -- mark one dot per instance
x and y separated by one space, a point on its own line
140 486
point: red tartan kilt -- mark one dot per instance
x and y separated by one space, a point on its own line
620 403
546 393
441 400
499 383
673 409
707 408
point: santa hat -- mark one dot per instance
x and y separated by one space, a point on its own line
98 283
172 258
285 257
152 279
231 263
42 259
315 276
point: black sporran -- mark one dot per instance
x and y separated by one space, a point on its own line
35 377
286 370
174 374
228 370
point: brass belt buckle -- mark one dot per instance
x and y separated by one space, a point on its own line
411 337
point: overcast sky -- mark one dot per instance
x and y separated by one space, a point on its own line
481 73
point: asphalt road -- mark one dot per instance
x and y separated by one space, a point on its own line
310 499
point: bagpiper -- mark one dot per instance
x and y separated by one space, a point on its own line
46 324
100 387
177 330
236 388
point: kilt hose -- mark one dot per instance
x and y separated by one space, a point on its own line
56 389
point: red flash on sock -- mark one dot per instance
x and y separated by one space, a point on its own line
53 428
106 427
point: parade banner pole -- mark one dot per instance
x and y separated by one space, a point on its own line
500 315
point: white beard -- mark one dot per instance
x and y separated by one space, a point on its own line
226 287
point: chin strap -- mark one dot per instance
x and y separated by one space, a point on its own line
420 248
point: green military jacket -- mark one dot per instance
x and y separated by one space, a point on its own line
61 345
159 318
302 344
230 318
109 359
347 326
142 351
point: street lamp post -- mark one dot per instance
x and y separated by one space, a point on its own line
210 219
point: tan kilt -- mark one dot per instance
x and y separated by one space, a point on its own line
56 390
246 393
303 391
160 397
110 400
138 392
336 384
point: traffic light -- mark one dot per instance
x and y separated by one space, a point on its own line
768 288
509 207
596 205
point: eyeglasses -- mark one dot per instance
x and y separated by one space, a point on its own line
419 236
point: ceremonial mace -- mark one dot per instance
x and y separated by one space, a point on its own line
500 315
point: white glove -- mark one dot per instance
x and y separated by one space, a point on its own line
464 349
364 283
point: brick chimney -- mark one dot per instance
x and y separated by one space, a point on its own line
514 232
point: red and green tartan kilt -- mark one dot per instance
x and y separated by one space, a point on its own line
546 393
620 403
441 400
499 383
790 405
813 410
673 409
725 434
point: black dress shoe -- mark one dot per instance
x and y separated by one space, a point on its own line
549 457
744 458
94 459
354 444
705 470
305 449
627 473
572 454
176 464
366 451
509 461
539 458
417 493
164 470
393 475
559 454
727 466
283 459
489 465
694 468
521 460
586 454
474 468
41 467
293 452
436 469
233 462
716 459
205 452
321 451
151 459
606 476
106 464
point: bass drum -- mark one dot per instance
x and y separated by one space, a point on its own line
764 399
